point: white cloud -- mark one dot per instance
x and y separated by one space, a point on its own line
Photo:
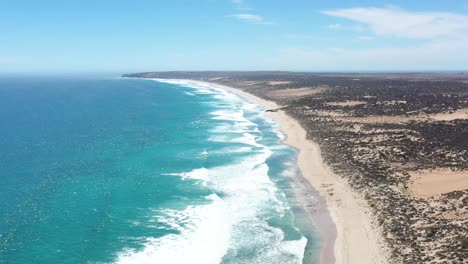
335 26
248 17
402 23
444 47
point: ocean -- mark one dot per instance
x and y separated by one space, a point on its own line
116 170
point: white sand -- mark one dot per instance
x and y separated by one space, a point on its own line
358 240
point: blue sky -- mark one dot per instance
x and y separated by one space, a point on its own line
313 35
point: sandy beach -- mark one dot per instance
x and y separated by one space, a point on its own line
388 161
358 240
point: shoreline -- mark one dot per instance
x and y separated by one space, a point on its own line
357 239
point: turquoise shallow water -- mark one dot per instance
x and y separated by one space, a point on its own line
140 171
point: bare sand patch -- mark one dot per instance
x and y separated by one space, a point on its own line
454 216
249 83
324 113
279 82
429 183
346 103
404 165
293 93
458 114
377 119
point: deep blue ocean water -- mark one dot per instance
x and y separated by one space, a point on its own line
140 171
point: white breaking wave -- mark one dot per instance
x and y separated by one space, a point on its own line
196 174
188 93
204 238
239 219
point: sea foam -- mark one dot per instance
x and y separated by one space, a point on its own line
204 233
239 220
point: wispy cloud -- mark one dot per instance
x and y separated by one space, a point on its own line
249 18
444 38
334 26
241 5
396 22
